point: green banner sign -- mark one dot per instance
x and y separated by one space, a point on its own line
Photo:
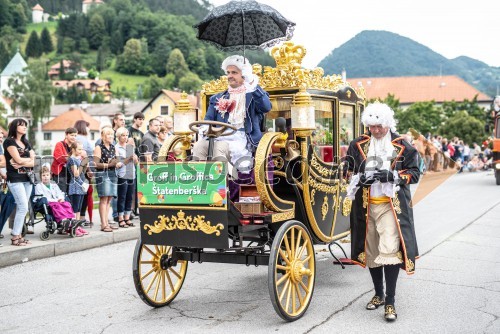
182 183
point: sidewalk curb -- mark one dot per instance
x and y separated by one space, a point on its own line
10 255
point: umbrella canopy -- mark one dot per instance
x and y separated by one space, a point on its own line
244 24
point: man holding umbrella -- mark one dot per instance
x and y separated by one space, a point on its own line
242 105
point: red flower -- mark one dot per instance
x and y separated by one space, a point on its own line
225 105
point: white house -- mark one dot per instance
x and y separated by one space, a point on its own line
53 130
87 4
15 66
37 14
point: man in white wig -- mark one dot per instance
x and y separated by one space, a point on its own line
242 105
382 165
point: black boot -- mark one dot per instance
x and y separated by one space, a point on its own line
378 283
391 278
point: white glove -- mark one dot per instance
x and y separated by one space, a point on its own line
247 73
202 130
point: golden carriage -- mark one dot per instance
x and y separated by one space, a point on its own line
297 197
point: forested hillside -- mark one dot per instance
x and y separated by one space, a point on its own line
150 42
385 54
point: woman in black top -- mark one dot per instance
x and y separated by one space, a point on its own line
20 159
106 180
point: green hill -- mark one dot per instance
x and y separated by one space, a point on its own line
386 54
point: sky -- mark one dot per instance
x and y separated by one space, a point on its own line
450 28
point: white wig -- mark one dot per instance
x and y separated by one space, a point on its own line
379 114
240 62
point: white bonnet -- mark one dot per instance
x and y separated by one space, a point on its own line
379 114
240 62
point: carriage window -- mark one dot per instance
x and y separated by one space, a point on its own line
346 130
322 138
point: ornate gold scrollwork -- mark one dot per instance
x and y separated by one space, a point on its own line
365 198
183 222
396 204
346 206
334 205
325 172
288 73
321 186
410 265
324 207
278 162
313 192
362 257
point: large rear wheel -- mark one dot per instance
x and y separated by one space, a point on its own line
157 278
497 176
292 271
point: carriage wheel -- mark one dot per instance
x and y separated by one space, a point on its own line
157 278
497 176
292 270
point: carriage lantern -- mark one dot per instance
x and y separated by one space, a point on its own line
302 111
184 114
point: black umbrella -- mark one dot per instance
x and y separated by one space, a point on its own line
7 205
244 24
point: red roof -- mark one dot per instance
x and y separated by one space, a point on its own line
66 64
176 96
68 120
419 89
37 7
86 83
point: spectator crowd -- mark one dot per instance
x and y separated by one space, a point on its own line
440 154
79 169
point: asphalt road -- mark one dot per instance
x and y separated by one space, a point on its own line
456 287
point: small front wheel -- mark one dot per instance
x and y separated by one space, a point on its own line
292 271
45 235
157 278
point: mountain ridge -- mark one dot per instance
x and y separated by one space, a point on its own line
379 53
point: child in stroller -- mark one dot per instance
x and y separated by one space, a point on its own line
51 202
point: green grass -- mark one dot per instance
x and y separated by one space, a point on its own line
38 27
119 80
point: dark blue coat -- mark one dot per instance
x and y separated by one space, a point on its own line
257 104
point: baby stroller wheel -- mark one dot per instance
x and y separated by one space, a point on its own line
45 235
25 230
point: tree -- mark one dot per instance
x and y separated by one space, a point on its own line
97 31
62 72
4 55
84 46
191 82
130 61
116 44
159 57
19 18
422 116
68 45
176 65
5 13
32 93
197 63
34 46
46 41
465 127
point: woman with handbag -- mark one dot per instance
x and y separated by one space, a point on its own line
20 159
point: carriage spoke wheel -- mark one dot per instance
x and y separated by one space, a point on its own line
157 278
291 271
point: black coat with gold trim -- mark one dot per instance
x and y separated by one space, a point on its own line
406 164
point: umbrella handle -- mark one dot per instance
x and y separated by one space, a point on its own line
243 33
